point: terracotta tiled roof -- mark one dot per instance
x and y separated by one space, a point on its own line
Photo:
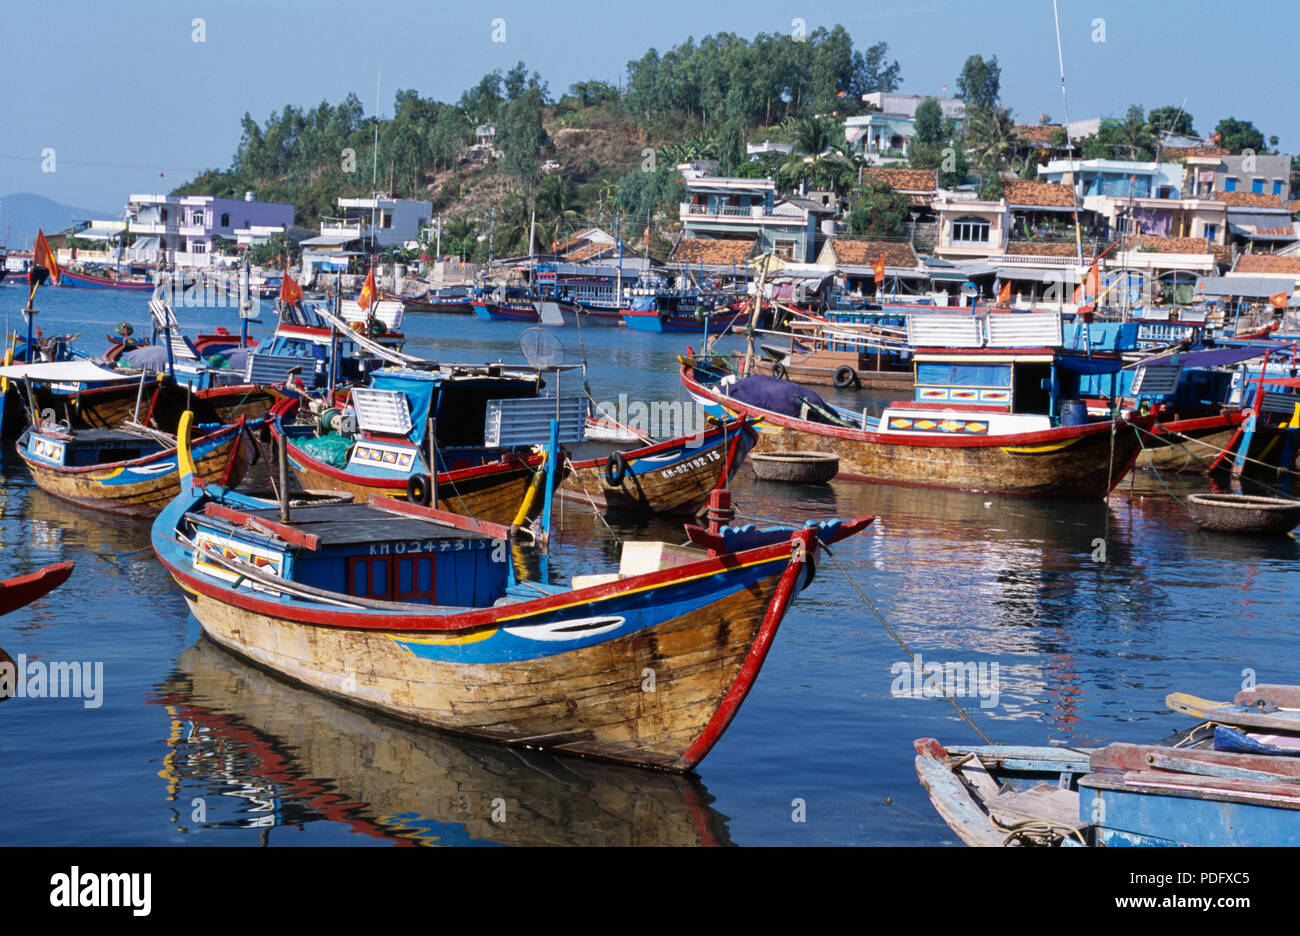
1031 248
866 253
1267 263
713 251
1295 207
907 180
1037 133
1249 200
1276 231
1179 153
1038 194
1180 245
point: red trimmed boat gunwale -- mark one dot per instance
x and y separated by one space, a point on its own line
468 620
1055 434
731 428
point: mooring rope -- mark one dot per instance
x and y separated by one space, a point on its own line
906 649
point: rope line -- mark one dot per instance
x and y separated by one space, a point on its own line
906 649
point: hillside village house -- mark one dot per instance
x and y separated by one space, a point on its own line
181 230
887 130
731 208
362 225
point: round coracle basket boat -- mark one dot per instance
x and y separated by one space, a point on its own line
1242 513
796 467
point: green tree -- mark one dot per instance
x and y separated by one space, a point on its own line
522 138
1137 134
1237 135
928 122
979 83
877 210
1173 120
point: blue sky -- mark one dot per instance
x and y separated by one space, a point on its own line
122 93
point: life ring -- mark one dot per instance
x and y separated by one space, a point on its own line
615 469
778 371
418 490
845 377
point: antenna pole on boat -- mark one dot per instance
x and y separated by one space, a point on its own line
433 462
283 459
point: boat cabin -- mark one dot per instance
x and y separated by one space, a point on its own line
89 447
384 433
358 550
995 374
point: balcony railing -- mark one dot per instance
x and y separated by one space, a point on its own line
726 211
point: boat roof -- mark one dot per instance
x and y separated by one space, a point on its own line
351 524
63 371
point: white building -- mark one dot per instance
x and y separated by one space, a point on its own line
181 230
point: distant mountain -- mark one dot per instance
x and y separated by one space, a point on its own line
23 214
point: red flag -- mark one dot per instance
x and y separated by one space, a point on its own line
1004 294
290 291
1279 300
42 255
369 291
878 271
1090 287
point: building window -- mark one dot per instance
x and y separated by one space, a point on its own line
1277 186
196 217
163 214
198 247
784 249
970 230
1257 186
1230 184
1212 231
385 219
225 220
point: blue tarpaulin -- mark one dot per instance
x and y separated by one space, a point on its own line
1089 365
418 387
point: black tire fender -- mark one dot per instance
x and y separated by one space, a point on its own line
418 489
615 469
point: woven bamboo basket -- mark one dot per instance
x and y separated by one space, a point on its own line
796 467
1241 513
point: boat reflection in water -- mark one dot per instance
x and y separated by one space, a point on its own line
247 751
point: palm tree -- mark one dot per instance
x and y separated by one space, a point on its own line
1137 133
555 213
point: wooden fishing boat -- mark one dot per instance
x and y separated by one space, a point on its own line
129 472
413 612
90 281
387 451
1192 444
923 447
995 410
674 476
1210 786
1243 513
22 590
508 310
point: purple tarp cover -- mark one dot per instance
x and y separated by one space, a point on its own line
779 396
151 357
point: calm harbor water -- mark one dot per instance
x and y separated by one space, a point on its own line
189 745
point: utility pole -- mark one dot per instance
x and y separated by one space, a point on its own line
492 235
